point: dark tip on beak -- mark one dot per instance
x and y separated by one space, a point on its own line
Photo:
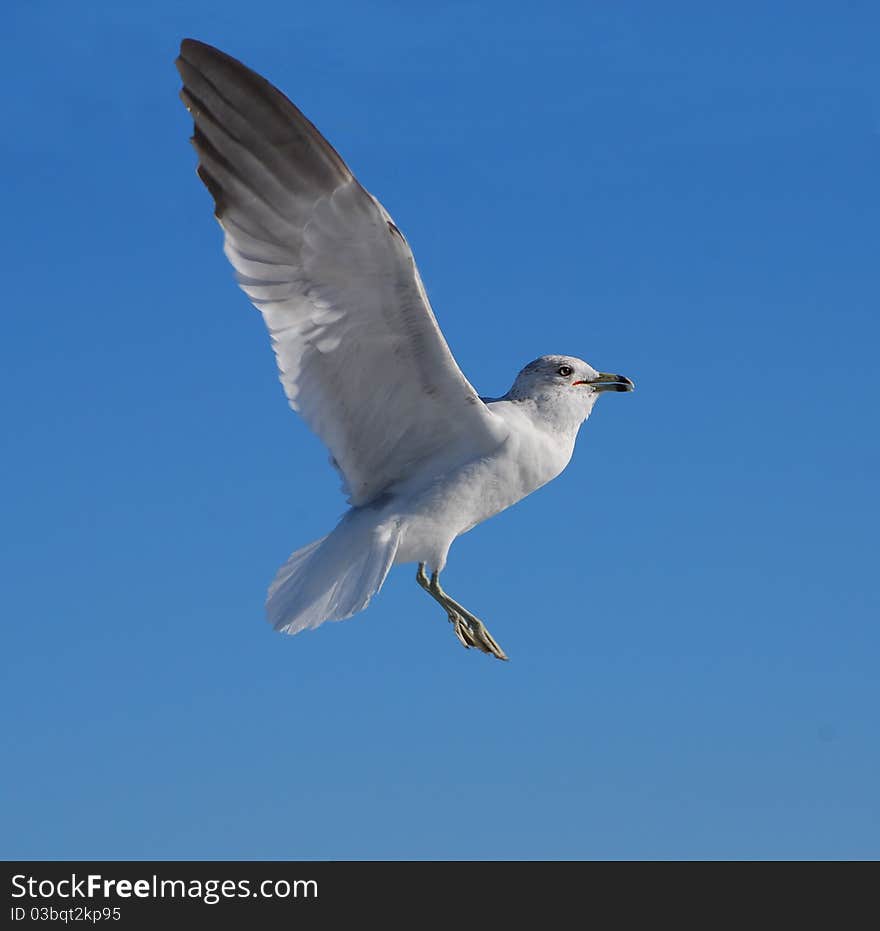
609 382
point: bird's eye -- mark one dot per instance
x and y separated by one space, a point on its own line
564 370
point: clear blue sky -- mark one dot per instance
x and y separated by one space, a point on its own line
687 193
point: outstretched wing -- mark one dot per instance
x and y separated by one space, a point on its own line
361 356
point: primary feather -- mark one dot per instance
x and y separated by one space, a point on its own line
335 280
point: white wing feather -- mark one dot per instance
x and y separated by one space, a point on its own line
360 353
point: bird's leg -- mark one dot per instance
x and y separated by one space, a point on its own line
422 578
470 630
454 618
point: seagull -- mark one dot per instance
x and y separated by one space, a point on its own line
423 458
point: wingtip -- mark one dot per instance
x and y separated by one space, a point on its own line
193 49
193 45
186 46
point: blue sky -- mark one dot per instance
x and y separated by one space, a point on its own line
686 193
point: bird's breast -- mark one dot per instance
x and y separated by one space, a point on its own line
522 464
432 516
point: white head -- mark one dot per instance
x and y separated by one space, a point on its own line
563 388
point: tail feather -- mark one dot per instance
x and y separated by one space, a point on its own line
334 577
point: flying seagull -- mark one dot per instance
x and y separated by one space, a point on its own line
423 458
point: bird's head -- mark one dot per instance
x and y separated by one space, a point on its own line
566 385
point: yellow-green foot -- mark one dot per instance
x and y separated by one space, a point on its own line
470 630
